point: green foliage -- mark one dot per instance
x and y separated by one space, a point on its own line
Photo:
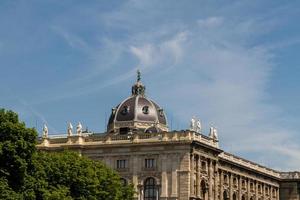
17 145
6 192
28 174
76 177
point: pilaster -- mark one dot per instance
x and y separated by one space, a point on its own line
210 196
216 181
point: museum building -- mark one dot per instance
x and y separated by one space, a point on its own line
172 165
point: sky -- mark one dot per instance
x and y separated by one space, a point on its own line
233 64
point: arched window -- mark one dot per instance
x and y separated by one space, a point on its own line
203 166
203 189
225 195
243 184
259 189
252 186
234 196
243 197
235 181
225 179
150 189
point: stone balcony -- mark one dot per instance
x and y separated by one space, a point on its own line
107 139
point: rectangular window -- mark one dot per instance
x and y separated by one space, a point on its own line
149 163
122 164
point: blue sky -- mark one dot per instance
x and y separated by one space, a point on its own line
233 64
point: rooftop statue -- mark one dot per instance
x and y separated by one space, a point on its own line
45 131
70 129
79 129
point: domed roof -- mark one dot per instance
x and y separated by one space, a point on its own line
137 112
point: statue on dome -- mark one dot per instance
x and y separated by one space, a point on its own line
138 88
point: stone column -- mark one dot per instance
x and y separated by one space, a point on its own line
240 188
256 190
192 175
264 190
230 186
221 185
135 164
164 177
272 193
210 171
248 189
216 181
198 176
174 176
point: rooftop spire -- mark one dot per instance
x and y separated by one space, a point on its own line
138 88
138 75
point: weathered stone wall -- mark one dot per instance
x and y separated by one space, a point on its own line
290 190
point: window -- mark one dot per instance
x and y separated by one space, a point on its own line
203 166
145 109
195 164
252 186
267 190
125 110
235 181
124 130
161 112
150 189
234 196
121 164
243 184
203 189
149 163
225 179
225 195
259 188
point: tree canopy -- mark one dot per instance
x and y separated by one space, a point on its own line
26 173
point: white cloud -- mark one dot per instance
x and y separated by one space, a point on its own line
224 81
71 39
167 53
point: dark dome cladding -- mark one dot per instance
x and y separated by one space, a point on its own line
137 112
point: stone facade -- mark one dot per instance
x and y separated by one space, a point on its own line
185 165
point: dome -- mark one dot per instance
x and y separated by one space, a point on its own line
137 112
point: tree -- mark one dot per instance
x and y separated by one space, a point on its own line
26 173
71 176
17 145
